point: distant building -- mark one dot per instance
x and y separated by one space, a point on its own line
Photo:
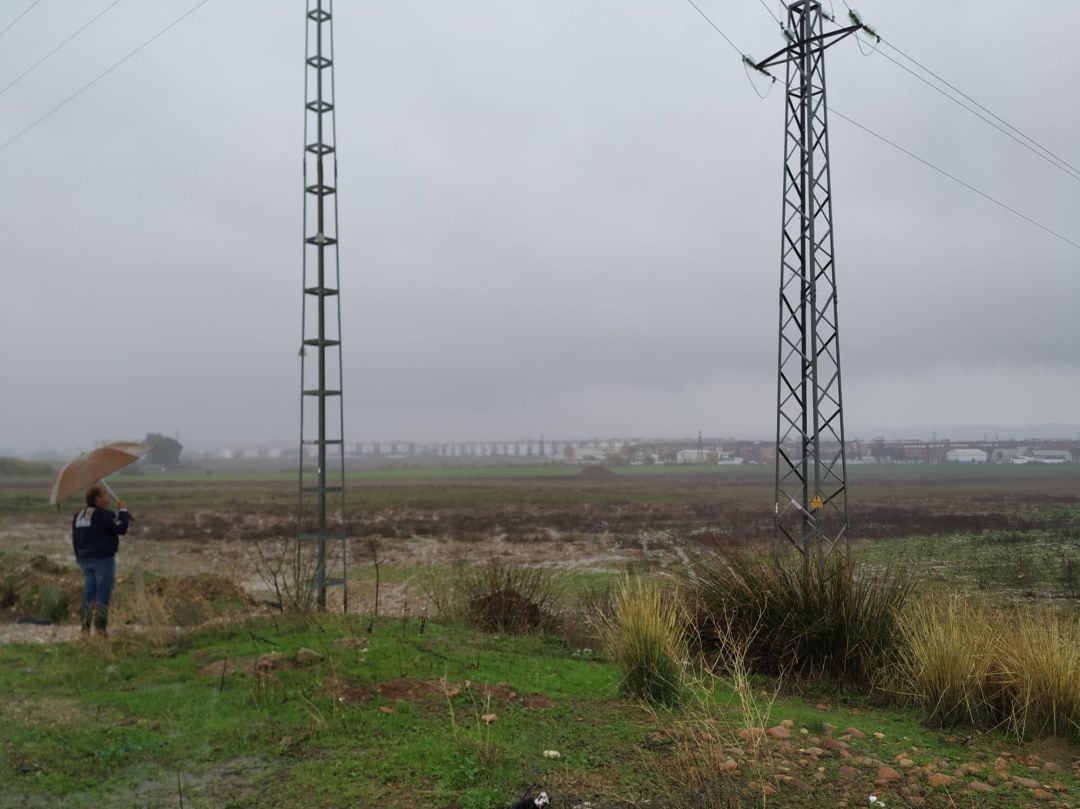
696 456
1052 456
966 456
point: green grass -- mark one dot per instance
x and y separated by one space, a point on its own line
117 725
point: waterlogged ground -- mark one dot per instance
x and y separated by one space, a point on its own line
1006 531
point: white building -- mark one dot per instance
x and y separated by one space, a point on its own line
696 456
966 456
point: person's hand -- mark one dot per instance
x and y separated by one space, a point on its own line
120 504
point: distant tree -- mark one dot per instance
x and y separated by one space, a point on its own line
166 451
17 467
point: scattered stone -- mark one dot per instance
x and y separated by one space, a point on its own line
799 784
821 706
1030 783
887 774
750 734
939 779
385 709
906 763
979 786
1042 795
779 732
854 733
1050 766
1057 786
813 751
552 754
828 728
488 718
878 734
270 661
306 656
847 772
830 744
788 723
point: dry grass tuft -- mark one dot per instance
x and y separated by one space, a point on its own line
1016 669
645 637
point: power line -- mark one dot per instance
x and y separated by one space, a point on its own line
12 24
36 64
103 74
771 12
954 178
1031 144
1059 165
1073 169
715 27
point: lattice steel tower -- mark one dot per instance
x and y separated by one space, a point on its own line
811 468
322 492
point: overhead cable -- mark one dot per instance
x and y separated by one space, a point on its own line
13 23
716 28
954 178
1048 155
104 73
38 63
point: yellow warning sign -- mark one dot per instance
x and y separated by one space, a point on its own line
817 502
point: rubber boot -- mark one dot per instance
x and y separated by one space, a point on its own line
85 617
101 619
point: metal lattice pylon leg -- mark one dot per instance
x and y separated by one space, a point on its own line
811 468
322 491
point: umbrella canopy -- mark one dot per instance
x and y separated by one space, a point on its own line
87 469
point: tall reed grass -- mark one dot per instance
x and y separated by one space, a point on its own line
838 620
1017 669
644 634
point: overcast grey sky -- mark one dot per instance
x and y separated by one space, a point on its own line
558 217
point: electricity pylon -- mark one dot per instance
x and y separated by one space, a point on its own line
811 507
321 492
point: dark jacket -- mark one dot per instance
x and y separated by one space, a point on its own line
96 532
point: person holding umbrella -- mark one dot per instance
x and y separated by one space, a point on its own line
95 538
95 530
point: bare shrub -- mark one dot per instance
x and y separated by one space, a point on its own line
501 597
286 566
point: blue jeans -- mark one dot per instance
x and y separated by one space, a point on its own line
98 578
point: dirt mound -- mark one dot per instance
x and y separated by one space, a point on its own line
40 590
194 600
596 471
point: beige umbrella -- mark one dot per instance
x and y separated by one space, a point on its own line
92 467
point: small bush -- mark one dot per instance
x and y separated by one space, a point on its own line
8 594
645 636
499 597
837 620
1019 670
55 604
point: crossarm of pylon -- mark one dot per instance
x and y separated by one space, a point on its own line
795 50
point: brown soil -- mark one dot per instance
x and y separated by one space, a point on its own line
412 689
